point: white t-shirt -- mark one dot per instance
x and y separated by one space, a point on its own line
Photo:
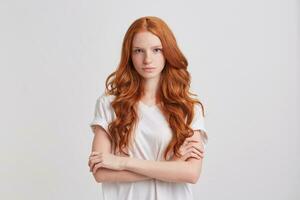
153 135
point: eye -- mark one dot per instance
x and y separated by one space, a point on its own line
157 50
137 50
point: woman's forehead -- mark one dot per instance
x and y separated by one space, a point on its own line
146 39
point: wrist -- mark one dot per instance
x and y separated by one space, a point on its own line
124 162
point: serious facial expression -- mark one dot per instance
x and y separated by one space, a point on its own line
147 55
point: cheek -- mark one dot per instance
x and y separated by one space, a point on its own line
136 61
161 61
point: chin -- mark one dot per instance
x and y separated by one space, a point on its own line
150 76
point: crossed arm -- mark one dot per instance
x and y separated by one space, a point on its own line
170 171
133 169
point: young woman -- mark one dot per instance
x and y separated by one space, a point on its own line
149 132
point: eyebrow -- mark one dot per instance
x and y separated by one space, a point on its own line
151 47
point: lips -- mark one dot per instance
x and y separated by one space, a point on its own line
149 68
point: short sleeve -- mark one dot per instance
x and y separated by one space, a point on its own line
198 123
103 113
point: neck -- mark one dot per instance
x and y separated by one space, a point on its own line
151 88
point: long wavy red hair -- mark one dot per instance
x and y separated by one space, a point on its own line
174 96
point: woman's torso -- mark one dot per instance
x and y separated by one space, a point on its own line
152 136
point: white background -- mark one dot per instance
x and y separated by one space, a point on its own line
244 61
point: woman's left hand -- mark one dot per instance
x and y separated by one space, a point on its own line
191 148
105 160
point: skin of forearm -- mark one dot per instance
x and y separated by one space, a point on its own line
170 171
108 175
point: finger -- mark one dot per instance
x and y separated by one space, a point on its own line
190 155
97 166
194 155
191 139
99 155
181 156
183 146
195 152
196 147
184 157
94 162
186 151
190 148
94 153
94 157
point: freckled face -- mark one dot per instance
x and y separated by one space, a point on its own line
147 55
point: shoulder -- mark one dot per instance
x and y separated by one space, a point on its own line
199 109
103 104
198 106
105 99
198 122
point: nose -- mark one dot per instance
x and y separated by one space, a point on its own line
147 58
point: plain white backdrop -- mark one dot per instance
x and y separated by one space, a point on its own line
244 61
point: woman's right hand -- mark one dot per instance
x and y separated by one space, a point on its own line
190 149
